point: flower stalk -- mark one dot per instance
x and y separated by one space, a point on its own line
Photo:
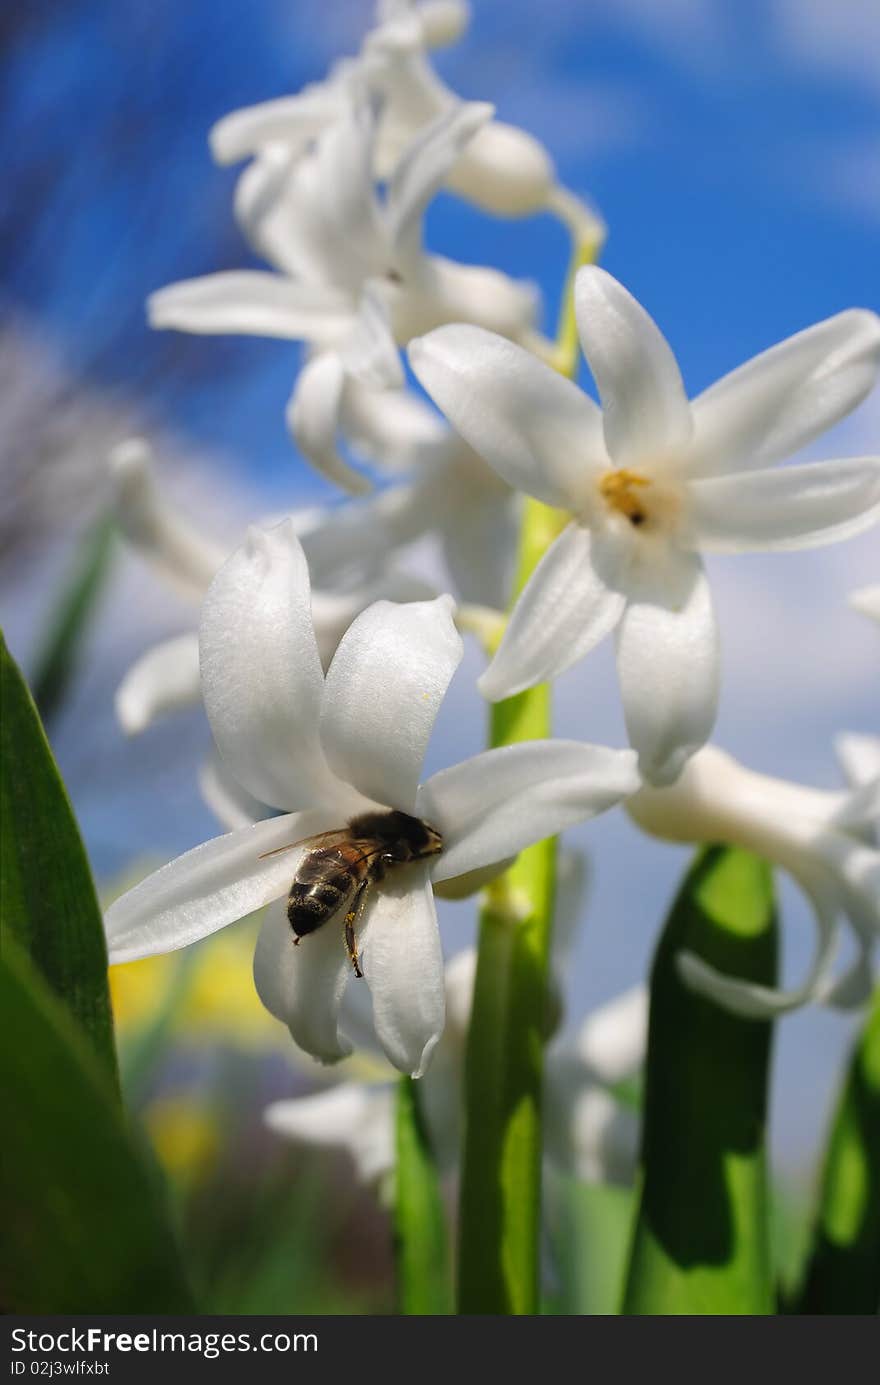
500 1208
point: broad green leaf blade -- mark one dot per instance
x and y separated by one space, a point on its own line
58 657
84 1229
843 1275
48 902
424 1279
702 1236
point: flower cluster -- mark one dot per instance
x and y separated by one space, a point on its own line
322 661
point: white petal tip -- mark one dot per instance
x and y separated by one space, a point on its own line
427 1055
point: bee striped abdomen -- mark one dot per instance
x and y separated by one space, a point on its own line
321 888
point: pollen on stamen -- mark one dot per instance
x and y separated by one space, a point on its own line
619 489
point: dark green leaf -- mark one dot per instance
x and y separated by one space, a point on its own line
844 1270
702 1235
48 902
85 1230
423 1269
58 657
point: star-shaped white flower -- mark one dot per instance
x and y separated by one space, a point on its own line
166 678
324 750
650 481
826 841
353 278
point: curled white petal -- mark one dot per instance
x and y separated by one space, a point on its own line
261 674
214 884
313 417
165 679
289 119
153 526
383 692
303 984
231 805
613 1040
505 170
645 409
491 806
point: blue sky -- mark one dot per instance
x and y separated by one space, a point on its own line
734 149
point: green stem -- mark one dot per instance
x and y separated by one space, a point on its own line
500 1207
423 1278
844 1270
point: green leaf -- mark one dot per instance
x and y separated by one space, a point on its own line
56 662
843 1275
702 1236
48 903
85 1230
424 1280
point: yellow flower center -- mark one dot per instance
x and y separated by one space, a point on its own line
620 489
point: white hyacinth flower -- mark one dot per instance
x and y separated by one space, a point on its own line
166 677
650 480
587 1131
325 750
354 278
504 169
826 841
867 601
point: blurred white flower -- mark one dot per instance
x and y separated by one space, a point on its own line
504 169
650 480
867 601
588 1132
166 678
826 841
353 277
333 749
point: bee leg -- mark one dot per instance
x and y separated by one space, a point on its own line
352 918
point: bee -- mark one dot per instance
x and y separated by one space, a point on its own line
337 872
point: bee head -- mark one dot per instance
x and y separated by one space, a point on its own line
404 838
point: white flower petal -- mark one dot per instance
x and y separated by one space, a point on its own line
289 120
421 171
755 1001
352 1116
505 170
480 539
214 884
153 526
668 666
369 353
491 806
788 507
867 601
565 609
165 679
261 674
860 758
302 983
645 409
402 963
231 805
393 429
587 1132
537 430
313 417
613 1040
466 293
333 612
382 695
782 399
254 303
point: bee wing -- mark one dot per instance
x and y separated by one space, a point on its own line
337 834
